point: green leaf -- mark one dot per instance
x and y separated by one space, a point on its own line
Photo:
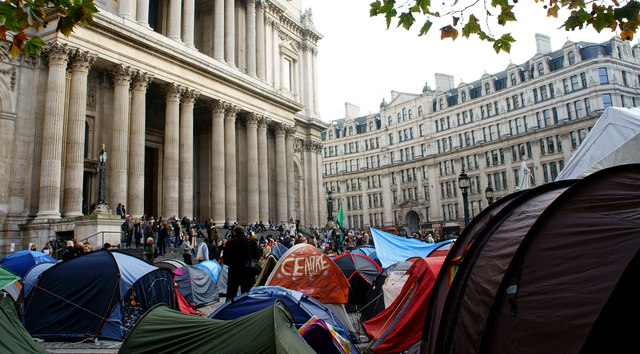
424 5
472 26
65 26
602 21
506 15
374 8
406 19
425 27
501 3
389 16
503 43
33 45
14 51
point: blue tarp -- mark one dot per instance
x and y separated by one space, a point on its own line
212 268
392 249
21 262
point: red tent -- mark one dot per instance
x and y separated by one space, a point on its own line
399 326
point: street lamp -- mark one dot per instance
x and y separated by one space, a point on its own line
102 207
463 183
329 205
488 193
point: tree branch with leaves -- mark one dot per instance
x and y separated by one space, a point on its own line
18 16
465 16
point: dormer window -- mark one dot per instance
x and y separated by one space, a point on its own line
419 111
350 131
463 96
513 79
440 104
540 69
571 56
487 88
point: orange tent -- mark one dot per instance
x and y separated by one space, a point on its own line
306 269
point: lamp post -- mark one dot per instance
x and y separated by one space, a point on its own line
329 205
102 207
488 193
463 183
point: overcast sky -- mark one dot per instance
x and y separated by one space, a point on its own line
360 62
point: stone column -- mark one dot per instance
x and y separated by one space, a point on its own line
218 30
230 32
281 175
218 162
170 162
186 153
290 182
125 9
253 191
135 202
231 203
51 162
188 18
142 12
119 149
74 164
261 64
263 168
175 17
314 184
251 37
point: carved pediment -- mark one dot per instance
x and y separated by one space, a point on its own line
408 204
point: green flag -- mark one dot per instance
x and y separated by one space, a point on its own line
340 221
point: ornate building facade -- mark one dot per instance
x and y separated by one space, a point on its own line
205 108
400 167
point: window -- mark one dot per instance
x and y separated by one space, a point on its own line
440 104
399 117
513 80
390 139
389 120
625 81
565 83
543 93
551 148
410 113
587 106
606 100
404 114
578 107
419 111
604 79
572 57
287 74
574 82
487 88
540 71
463 95
569 111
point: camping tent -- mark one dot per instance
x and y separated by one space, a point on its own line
13 337
212 268
170 264
306 269
20 262
196 286
386 288
526 296
398 327
32 275
101 294
163 330
613 140
278 250
7 277
392 249
301 307
267 267
361 271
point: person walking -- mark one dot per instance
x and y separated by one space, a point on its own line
237 254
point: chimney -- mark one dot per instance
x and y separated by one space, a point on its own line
351 110
543 43
444 82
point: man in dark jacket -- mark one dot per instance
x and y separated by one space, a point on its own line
237 253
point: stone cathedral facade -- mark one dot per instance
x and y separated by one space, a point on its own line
205 108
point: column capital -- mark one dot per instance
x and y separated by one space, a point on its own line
280 128
263 123
122 74
218 107
57 53
261 4
141 80
189 96
230 111
252 119
173 91
82 60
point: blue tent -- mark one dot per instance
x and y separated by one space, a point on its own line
278 250
32 275
21 262
392 249
96 294
212 268
301 306
367 250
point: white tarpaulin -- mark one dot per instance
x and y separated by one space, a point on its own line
613 140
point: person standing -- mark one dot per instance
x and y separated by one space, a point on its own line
237 253
162 238
186 249
127 229
150 251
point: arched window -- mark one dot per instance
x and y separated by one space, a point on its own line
399 117
404 114
389 120
330 134
540 69
370 126
350 130
440 104
410 113
487 88
513 80
463 94
572 57
419 111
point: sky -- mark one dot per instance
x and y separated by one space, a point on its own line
361 62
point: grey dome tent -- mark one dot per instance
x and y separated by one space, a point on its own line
553 271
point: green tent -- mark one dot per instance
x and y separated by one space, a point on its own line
7 277
13 337
162 330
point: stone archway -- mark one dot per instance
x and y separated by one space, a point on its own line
412 220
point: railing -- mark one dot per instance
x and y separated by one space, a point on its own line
99 236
